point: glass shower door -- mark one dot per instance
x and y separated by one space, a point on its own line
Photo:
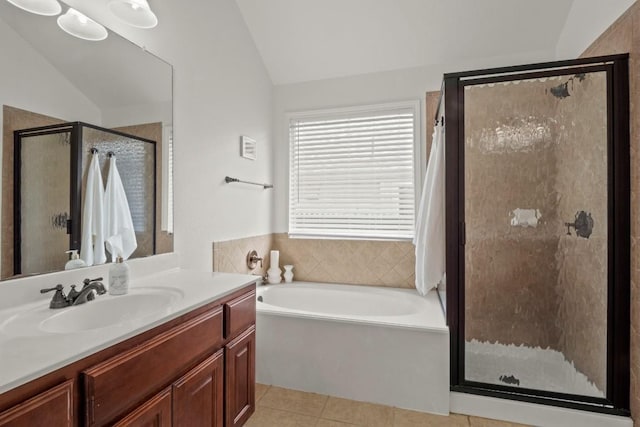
44 202
536 216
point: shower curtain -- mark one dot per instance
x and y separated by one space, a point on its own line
429 239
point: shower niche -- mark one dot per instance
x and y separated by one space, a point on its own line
49 178
539 309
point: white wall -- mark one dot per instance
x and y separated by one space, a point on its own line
221 91
587 19
29 82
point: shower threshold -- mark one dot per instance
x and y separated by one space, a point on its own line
525 367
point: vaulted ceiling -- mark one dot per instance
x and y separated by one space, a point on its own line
302 40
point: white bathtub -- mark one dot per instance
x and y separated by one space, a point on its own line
381 345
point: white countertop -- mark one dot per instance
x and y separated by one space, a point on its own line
25 358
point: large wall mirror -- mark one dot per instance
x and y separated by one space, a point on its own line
63 101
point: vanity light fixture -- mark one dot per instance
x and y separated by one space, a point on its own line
134 12
81 26
39 7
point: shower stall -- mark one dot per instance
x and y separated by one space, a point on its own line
537 201
50 174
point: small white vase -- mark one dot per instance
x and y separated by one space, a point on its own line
288 274
273 275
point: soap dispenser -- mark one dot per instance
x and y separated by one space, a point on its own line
119 277
74 260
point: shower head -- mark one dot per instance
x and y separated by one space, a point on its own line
561 91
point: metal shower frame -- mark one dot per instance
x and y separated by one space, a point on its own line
619 241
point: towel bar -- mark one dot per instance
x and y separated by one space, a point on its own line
228 180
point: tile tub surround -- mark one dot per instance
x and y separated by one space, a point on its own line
280 407
230 256
354 262
621 37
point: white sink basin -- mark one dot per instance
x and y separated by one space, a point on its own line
103 312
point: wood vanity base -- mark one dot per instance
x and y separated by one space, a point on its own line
195 370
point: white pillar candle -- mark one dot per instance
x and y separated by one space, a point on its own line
275 259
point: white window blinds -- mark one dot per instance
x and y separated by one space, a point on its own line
352 173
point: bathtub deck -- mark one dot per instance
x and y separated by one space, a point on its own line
429 315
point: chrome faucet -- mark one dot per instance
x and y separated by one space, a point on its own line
87 293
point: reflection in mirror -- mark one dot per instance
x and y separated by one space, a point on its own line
43 200
123 96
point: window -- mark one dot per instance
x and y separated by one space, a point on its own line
166 223
352 172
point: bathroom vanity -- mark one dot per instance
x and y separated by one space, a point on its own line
189 365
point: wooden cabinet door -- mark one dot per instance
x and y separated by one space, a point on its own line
117 385
198 396
52 408
240 360
156 412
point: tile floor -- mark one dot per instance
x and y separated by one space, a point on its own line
281 407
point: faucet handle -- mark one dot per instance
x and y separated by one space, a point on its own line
87 280
55 288
59 300
253 259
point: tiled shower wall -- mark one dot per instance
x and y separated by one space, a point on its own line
581 263
356 262
622 37
510 163
578 314
538 286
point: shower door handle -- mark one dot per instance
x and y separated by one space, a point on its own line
462 231
68 226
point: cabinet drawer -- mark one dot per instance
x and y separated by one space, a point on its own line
239 314
117 385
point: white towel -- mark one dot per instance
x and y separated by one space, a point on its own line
92 242
430 225
121 237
